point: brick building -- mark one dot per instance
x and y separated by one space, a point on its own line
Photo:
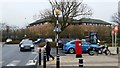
77 29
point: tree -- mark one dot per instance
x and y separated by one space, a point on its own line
116 17
70 9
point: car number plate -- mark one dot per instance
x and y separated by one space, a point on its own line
27 47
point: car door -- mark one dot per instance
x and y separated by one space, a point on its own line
85 45
72 44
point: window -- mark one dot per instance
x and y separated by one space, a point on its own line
72 43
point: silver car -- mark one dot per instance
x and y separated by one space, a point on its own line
26 45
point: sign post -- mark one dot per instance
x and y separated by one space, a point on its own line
113 32
116 30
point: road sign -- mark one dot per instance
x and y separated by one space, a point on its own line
113 32
116 28
93 38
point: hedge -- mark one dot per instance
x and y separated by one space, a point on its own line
53 44
13 42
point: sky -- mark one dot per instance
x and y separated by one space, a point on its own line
21 12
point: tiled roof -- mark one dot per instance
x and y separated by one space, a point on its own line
83 20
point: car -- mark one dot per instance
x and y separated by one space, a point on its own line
61 42
39 41
26 45
49 39
22 41
70 46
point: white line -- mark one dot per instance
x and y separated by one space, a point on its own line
13 63
34 53
30 62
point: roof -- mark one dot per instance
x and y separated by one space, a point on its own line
83 20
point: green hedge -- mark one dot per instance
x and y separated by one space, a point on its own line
13 42
53 44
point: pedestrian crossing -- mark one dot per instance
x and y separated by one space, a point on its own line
17 63
13 63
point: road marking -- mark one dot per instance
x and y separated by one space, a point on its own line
13 63
34 53
30 62
1 62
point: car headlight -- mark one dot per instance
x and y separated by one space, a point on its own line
32 45
22 46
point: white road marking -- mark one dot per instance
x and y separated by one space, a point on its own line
30 62
1 62
13 63
34 53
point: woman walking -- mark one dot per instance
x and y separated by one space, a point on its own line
48 49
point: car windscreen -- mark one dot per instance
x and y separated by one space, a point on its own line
27 42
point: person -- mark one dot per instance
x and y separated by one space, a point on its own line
48 49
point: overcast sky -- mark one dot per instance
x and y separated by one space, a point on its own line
20 12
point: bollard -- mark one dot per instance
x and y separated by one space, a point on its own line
40 56
81 61
117 50
44 60
58 62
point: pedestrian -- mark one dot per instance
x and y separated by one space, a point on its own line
48 49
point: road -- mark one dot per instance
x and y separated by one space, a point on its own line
11 56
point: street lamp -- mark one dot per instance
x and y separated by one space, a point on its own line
57 30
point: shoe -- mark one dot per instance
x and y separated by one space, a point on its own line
47 60
53 58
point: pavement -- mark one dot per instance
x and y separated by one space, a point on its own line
71 60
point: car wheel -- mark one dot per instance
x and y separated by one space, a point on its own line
107 52
32 50
71 51
21 50
91 52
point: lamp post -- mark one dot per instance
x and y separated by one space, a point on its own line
57 30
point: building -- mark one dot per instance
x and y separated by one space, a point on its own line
77 29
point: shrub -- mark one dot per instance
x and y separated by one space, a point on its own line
53 44
13 42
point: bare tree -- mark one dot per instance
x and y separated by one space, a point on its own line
70 9
116 17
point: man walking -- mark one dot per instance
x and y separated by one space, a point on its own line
48 49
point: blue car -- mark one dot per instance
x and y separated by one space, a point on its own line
70 46
39 41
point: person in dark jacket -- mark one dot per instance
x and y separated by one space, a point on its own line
48 49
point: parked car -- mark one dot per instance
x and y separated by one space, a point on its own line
61 42
70 46
26 45
39 41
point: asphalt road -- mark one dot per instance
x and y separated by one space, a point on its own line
11 55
